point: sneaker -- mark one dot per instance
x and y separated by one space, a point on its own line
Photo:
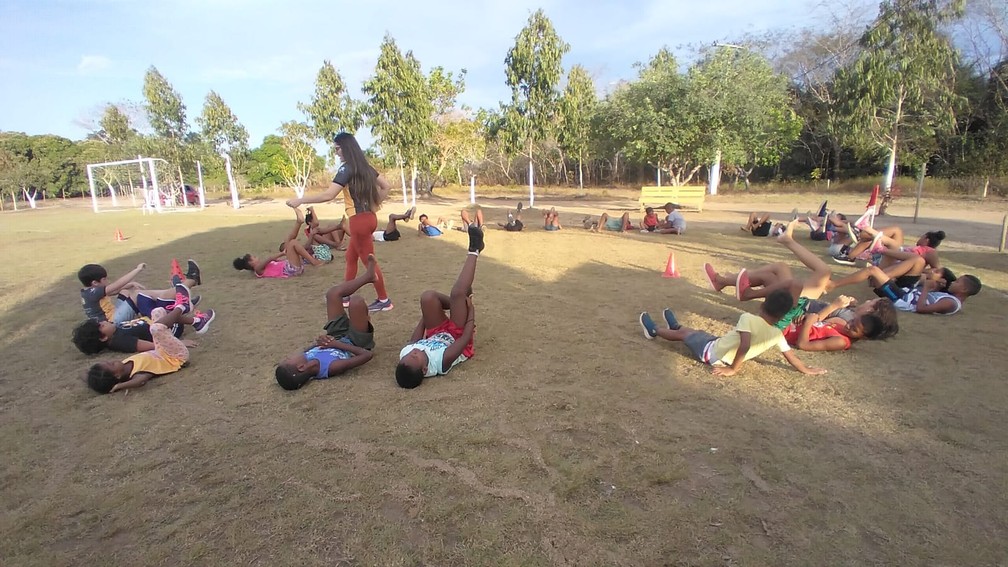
823 211
741 283
410 212
202 319
476 243
194 300
380 305
650 330
794 214
193 272
844 260
670 319
519 206
711 276
182 298
346 302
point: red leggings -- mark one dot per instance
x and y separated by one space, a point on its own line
362 226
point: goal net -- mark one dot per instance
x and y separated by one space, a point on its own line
150 183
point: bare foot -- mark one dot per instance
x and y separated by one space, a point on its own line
371 263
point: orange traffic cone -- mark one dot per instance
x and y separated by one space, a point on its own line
670 268
176 270
119 236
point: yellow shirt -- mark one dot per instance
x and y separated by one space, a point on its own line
764 336
154 362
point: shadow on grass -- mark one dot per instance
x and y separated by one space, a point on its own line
568 439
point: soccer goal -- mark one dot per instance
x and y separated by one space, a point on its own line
150 183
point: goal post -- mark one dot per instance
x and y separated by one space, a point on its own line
157 184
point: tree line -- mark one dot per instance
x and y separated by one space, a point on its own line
922 88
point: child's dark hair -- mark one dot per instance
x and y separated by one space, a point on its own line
934 237
886 313
91 273
421 218
871 326
778 303
973 285
407 377
87 337
243 263
290 379
101 379
649 210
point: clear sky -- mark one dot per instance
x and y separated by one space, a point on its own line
61 61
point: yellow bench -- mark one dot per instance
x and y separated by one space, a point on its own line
686 196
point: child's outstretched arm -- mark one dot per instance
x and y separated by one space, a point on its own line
114 287
745 341
417 332
138 379
944 305
261 264
796 362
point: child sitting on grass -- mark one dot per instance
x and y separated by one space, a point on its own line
752 335
441 341
348 340
132 300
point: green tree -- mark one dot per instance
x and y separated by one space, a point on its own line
332 110
900 92
225 135
296 139
745 109
533 68
577 106
167 115
115 126
400 108
651 120
266 164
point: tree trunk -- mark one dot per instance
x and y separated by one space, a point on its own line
580 173
531 179
231 184
402 174
715 174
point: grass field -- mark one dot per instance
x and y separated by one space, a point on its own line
569 439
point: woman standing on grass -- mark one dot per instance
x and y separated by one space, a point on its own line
367 189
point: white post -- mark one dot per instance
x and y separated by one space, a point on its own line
920 188
231 182
154 184
472 190
715 174
413 186
94 199
199 175
531 185
658 175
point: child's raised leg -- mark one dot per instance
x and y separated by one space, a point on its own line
625 219
295 252
167 344
358 311
463 284
911 266
814 285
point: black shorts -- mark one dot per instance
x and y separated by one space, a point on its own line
340 327
907 281
515 226
763 229
391 236
817 235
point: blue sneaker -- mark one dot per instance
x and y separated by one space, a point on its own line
673 323
646 323
379 305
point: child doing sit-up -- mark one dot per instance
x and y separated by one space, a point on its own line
293 254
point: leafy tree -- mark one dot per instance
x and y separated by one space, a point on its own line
533 69
331 109
115 126
900 92
296 139
400 108
576 109
651 121
745 109
226 136
167 115
267 163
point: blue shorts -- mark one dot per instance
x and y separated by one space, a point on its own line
697 342
432 231
614 224
552 227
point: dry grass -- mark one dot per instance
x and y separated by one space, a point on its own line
568 439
